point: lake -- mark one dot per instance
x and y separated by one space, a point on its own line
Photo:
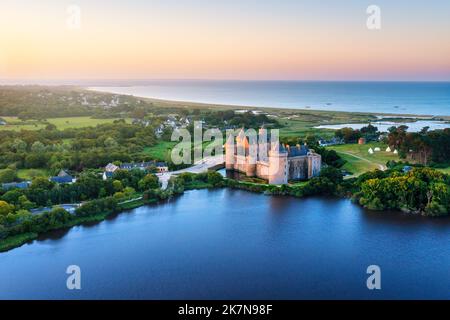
419 98
384 126
232 244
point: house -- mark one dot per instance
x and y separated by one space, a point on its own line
331 142
111 168
107 175
161 166
362 141
135 165
16 185
63 177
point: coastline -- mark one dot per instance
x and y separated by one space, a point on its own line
220 106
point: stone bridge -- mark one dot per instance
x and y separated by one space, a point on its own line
203 165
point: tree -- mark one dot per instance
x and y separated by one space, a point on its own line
8 175
214 178
24 203
5 208
50 127
110 143
38 147
118 186
41 183
19 146
150 181
12 196
333 174
128 191
348 134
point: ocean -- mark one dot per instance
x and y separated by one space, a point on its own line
417 98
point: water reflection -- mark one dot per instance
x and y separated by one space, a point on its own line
232 244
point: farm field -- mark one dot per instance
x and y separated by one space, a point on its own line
29 174
359 160
61 123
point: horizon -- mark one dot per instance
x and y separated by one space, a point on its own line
139 82
247 41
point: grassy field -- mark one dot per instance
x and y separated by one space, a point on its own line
163 149
160 151
445 170
28 174
302 122
61 123
359 160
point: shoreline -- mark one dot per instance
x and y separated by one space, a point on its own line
202 105
19 240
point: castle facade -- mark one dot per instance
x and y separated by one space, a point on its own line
271 161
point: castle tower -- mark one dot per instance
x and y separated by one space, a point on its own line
230 151
263 149
314 164
250 166
278 165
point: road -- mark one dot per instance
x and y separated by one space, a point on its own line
199 167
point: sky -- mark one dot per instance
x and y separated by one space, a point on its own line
232 39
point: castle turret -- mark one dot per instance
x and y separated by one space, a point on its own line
263 150
250 167
314 164
278 165
229 152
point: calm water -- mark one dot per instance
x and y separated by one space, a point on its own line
422 98
234 244
384 126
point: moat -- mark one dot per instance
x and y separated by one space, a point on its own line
232 244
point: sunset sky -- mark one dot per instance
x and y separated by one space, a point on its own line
232 39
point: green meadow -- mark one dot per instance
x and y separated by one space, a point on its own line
13 123
359 160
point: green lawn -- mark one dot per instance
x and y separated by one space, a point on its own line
302 122
445 170
61 123
163 149
359 160
28 174
160 151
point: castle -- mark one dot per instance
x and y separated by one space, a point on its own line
271 161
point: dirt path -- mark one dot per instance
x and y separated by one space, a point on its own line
381 166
